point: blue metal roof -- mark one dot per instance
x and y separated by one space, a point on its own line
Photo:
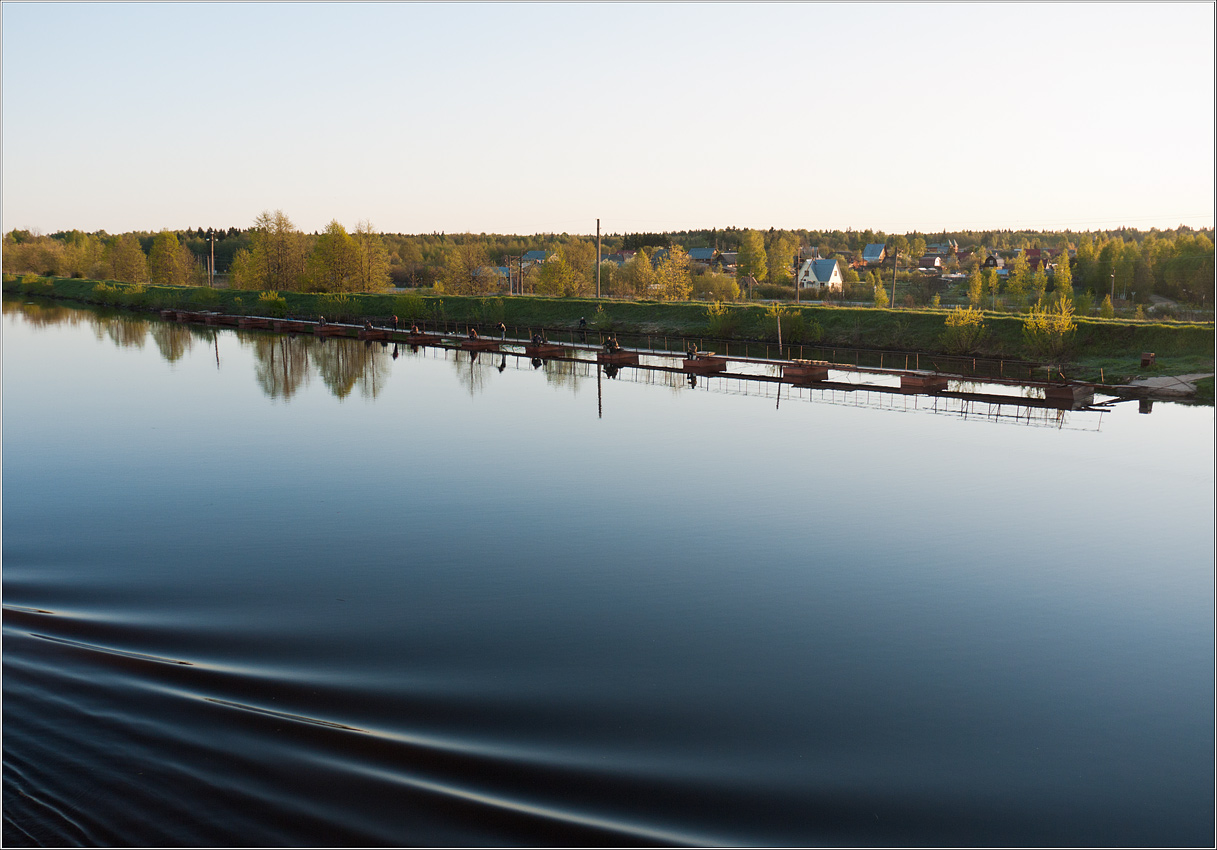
824 269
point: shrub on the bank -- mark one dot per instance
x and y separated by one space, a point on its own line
336 307
1048 332
722 320
965 330
786 324
409 308
272 304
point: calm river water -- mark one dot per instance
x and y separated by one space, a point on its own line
272 591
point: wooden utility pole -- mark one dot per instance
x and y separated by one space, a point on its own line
211 269
597 258
520 277
797 266
895 262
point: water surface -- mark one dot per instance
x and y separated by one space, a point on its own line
262 590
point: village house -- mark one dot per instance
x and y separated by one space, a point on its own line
930 262
874 254
1041 256
820 274
620 258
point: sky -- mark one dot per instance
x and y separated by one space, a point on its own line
544 117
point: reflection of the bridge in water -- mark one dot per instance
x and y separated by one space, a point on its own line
967 400
284 363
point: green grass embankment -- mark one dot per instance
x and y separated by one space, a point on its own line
1106 349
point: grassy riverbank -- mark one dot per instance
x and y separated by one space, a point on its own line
1106 349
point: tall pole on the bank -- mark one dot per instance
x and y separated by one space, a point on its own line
895 262
597 258
796 275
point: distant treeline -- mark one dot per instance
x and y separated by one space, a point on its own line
274 255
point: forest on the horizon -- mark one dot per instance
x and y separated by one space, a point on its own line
273 254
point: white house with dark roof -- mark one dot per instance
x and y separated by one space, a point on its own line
819 274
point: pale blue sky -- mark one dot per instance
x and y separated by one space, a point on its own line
536 118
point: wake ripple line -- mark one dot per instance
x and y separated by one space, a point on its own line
286 716
491 800
647 832
19 828
111 651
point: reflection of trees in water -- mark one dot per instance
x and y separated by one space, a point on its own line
563 373
282 363
172 340
677 382
471 369
344 364
126 332
42 315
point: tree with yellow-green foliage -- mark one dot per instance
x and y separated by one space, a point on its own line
673 276
1049 331
1018 281
1062 278
333 263
751 258
976 288
557 277
636 276
463 271
780 257
372 259
276 259
993 286
1039 284
713 286
125 259
965 329
170 263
